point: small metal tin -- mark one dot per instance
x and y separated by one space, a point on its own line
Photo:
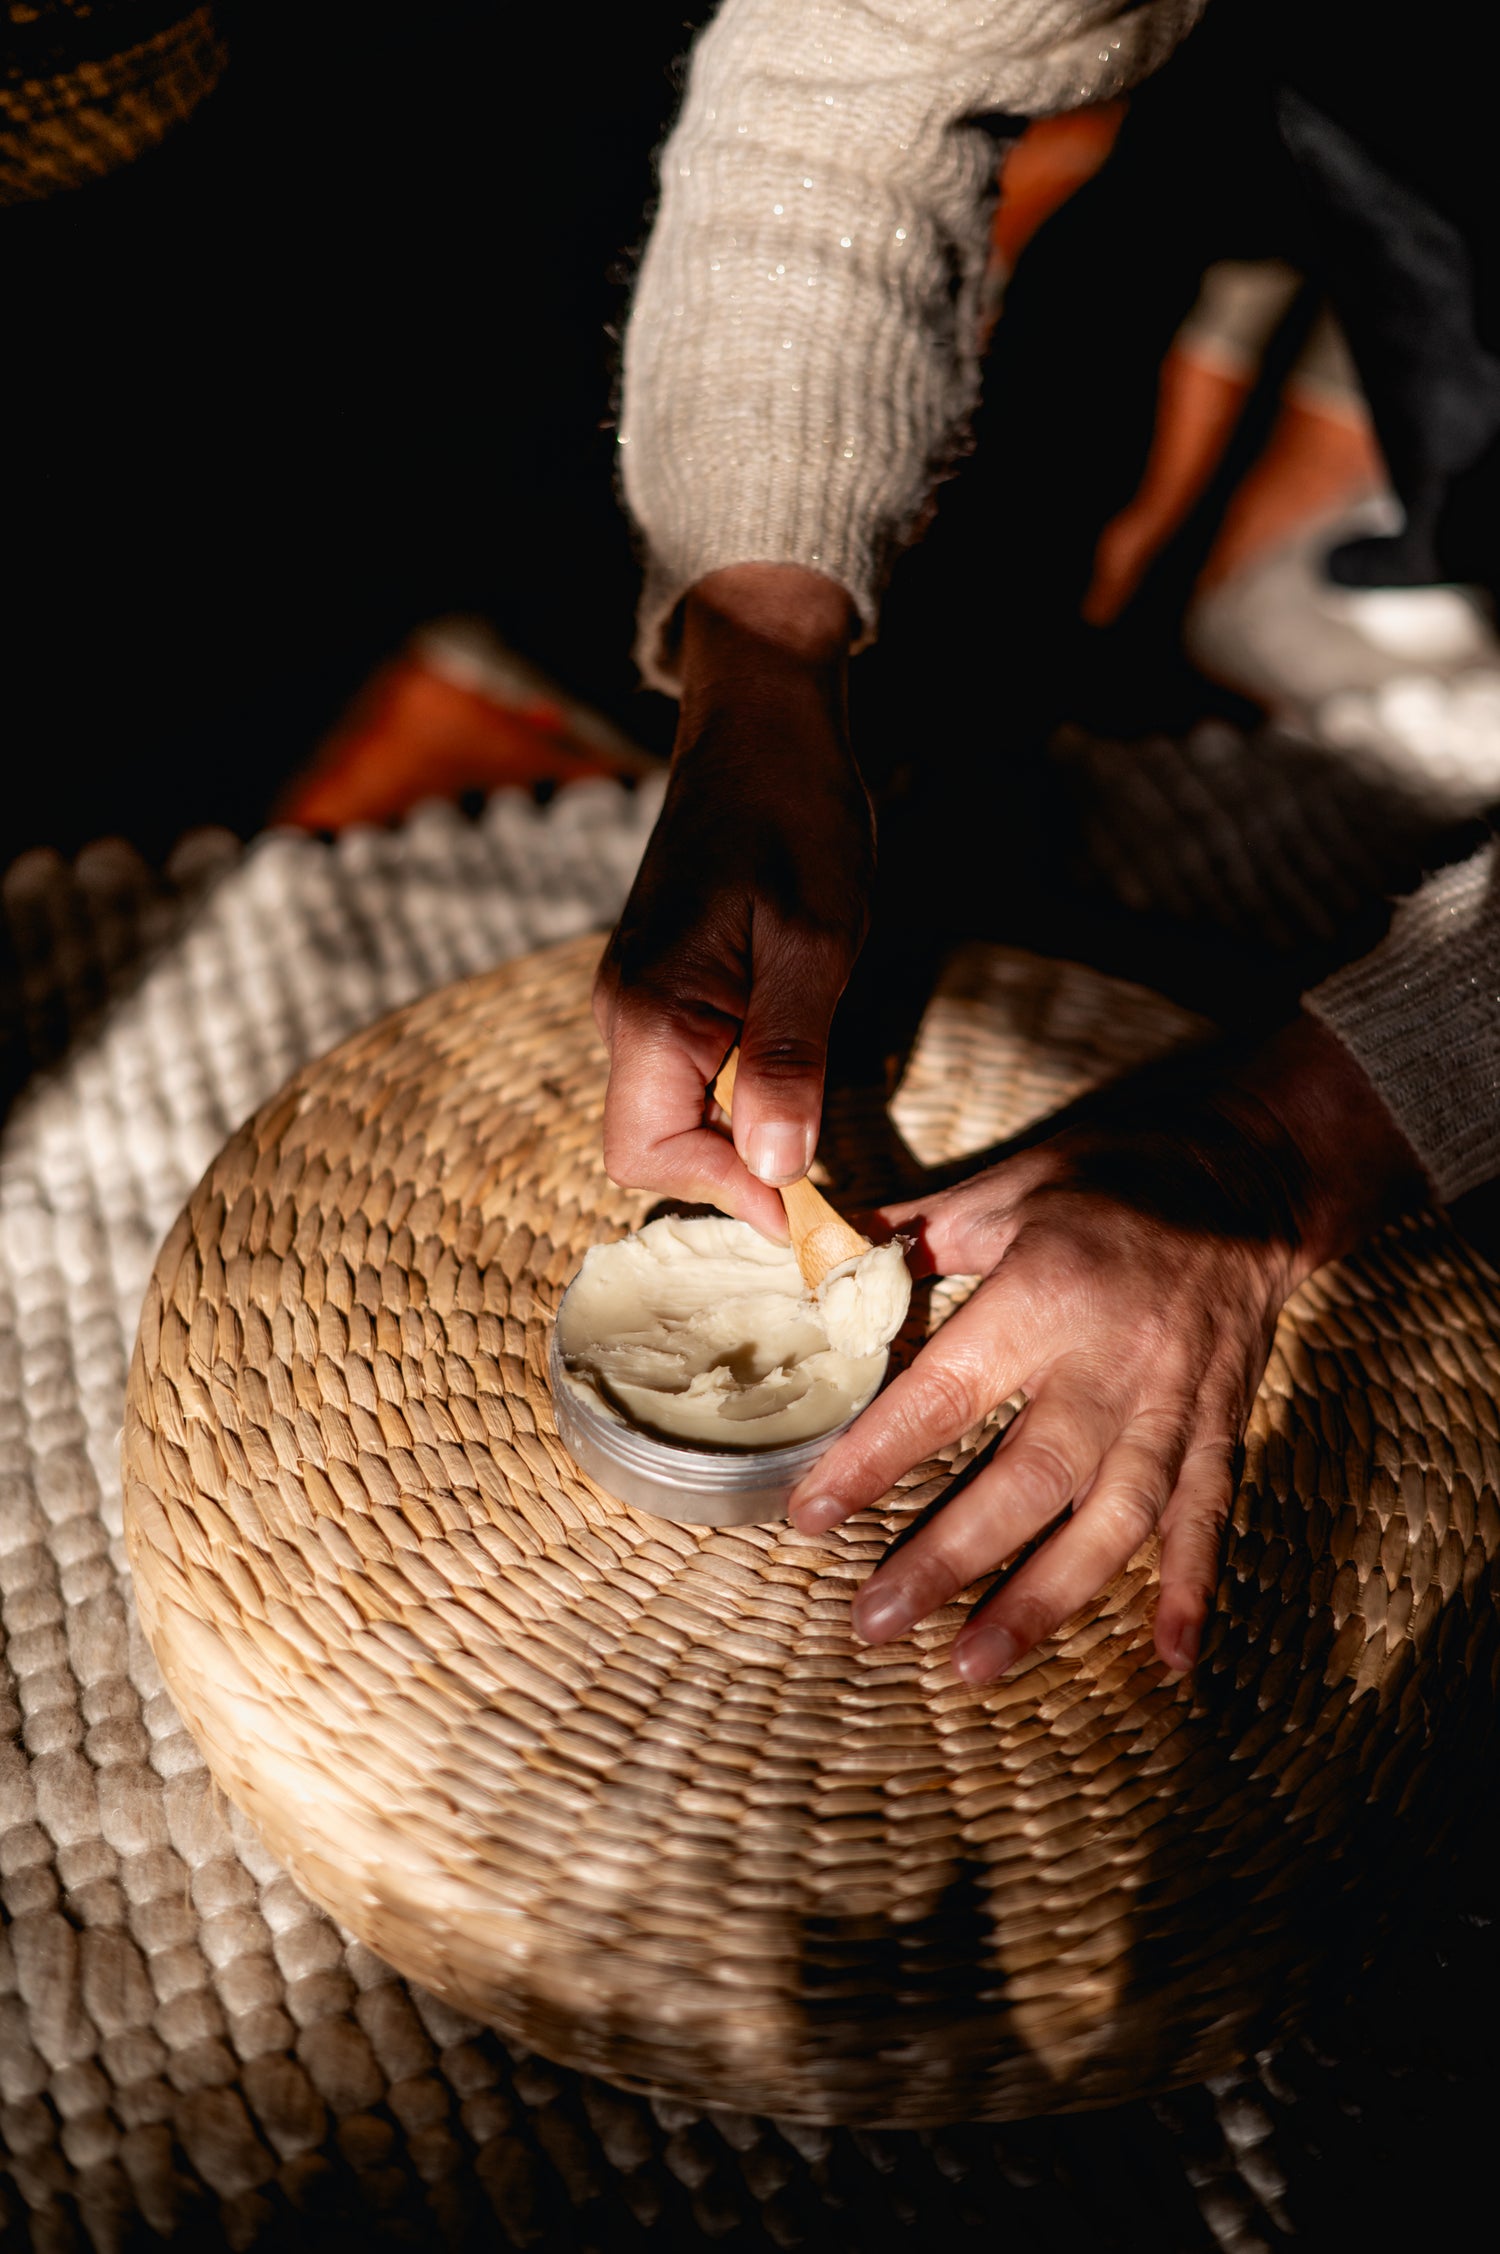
699 1486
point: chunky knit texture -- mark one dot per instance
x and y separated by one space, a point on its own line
1288 844
1422 1015
804 351
804 346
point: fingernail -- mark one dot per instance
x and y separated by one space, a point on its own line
1185 1650
985 1653
885 1614
817 1515
779 1152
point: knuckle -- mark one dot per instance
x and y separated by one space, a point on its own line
690 954
1207 1514
1216 1456
1073 1253
947 1397
989 1224
822 941
1206 1533
659 1019
782 1056
1040 1474
1134 1505
663 991
1163 1348
1162 1432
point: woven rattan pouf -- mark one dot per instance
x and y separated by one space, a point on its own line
632 1791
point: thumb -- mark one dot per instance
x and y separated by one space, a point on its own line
778 1090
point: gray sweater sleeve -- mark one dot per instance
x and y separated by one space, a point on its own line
1421 1014
802 351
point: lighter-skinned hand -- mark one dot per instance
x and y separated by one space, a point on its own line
1133 1269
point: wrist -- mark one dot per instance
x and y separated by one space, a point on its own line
782 611
1345 1166
764 685
767 645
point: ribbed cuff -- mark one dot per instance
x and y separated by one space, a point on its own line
1421 1015
668 580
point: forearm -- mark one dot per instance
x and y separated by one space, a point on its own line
1314 1114
762 640
803 348
1420 1017
1383 1091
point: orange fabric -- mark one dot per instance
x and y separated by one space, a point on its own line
1052 158
1320 458
1198 403
413 734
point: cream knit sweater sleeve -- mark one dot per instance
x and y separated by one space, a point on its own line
803 348
1421 1014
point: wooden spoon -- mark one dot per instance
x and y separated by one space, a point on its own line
821 1238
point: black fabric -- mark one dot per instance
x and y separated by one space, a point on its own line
1403 278
334 359
337 358
1298 130
43 38
1292 129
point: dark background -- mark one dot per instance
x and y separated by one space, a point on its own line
339 357
334 359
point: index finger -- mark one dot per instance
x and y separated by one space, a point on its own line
661 1064
992 1347
965 1229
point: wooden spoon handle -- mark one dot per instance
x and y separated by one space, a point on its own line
724 1085
821 1238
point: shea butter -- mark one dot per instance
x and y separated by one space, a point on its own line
700 1331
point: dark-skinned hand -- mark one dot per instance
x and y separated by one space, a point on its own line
750 905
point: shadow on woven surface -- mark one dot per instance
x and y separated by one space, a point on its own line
469 2146
354 2111
75 935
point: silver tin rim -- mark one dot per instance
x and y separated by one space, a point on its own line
697 1486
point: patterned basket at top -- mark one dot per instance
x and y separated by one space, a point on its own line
87 86
631 1790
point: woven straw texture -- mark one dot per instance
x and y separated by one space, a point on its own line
85 89
190 2051
633 1792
